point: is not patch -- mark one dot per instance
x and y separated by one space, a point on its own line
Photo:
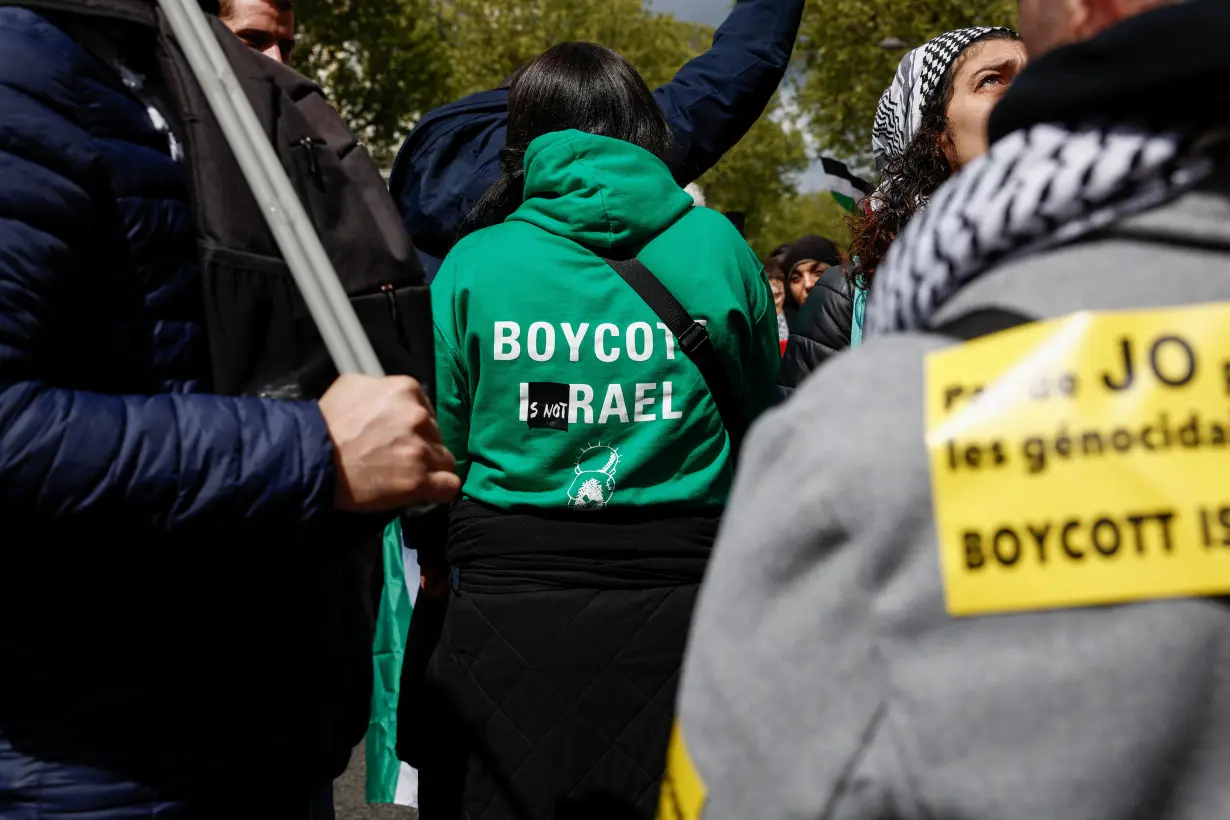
548 406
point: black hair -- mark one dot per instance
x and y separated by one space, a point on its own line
916 174
512 77
773 267
226 8
579 86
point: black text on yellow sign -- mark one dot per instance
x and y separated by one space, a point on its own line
1083 461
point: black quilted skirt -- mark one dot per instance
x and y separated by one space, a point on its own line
551 691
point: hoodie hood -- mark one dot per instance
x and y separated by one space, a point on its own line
598 191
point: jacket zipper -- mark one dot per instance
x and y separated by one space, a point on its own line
309 145
395 314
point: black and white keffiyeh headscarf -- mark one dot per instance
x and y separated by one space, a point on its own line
1037 188
1085 137
915 86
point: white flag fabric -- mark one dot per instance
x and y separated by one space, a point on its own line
847 188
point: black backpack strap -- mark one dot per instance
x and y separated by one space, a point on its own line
982 322
693 340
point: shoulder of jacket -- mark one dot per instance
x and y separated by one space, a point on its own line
720 234
49 91
36 54
828 313
484 249
706 218
834 280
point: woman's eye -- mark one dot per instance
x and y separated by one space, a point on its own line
989 80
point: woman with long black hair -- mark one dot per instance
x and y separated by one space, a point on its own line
595 460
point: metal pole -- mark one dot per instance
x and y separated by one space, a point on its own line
328 303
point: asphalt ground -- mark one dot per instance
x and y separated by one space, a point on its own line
348 799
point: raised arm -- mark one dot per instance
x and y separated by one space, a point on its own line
715 98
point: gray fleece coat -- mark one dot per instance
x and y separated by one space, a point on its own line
824 678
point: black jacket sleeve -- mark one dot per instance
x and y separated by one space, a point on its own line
822 329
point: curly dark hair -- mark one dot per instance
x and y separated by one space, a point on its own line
916 174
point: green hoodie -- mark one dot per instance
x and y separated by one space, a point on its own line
558 387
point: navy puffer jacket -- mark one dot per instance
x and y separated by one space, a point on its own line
156 559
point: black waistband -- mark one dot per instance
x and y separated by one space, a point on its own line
542 573
500 552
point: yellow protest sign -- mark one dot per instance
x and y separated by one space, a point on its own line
1083 460
683 792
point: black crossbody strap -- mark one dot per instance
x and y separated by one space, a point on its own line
693 340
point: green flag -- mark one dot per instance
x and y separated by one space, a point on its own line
388 779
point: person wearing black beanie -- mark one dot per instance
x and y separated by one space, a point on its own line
812 262
805 262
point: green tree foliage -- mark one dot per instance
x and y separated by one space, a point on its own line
758 178
846 70
493 39
382 63
488 39
812 213
386 63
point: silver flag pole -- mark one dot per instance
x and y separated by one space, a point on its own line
335 318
